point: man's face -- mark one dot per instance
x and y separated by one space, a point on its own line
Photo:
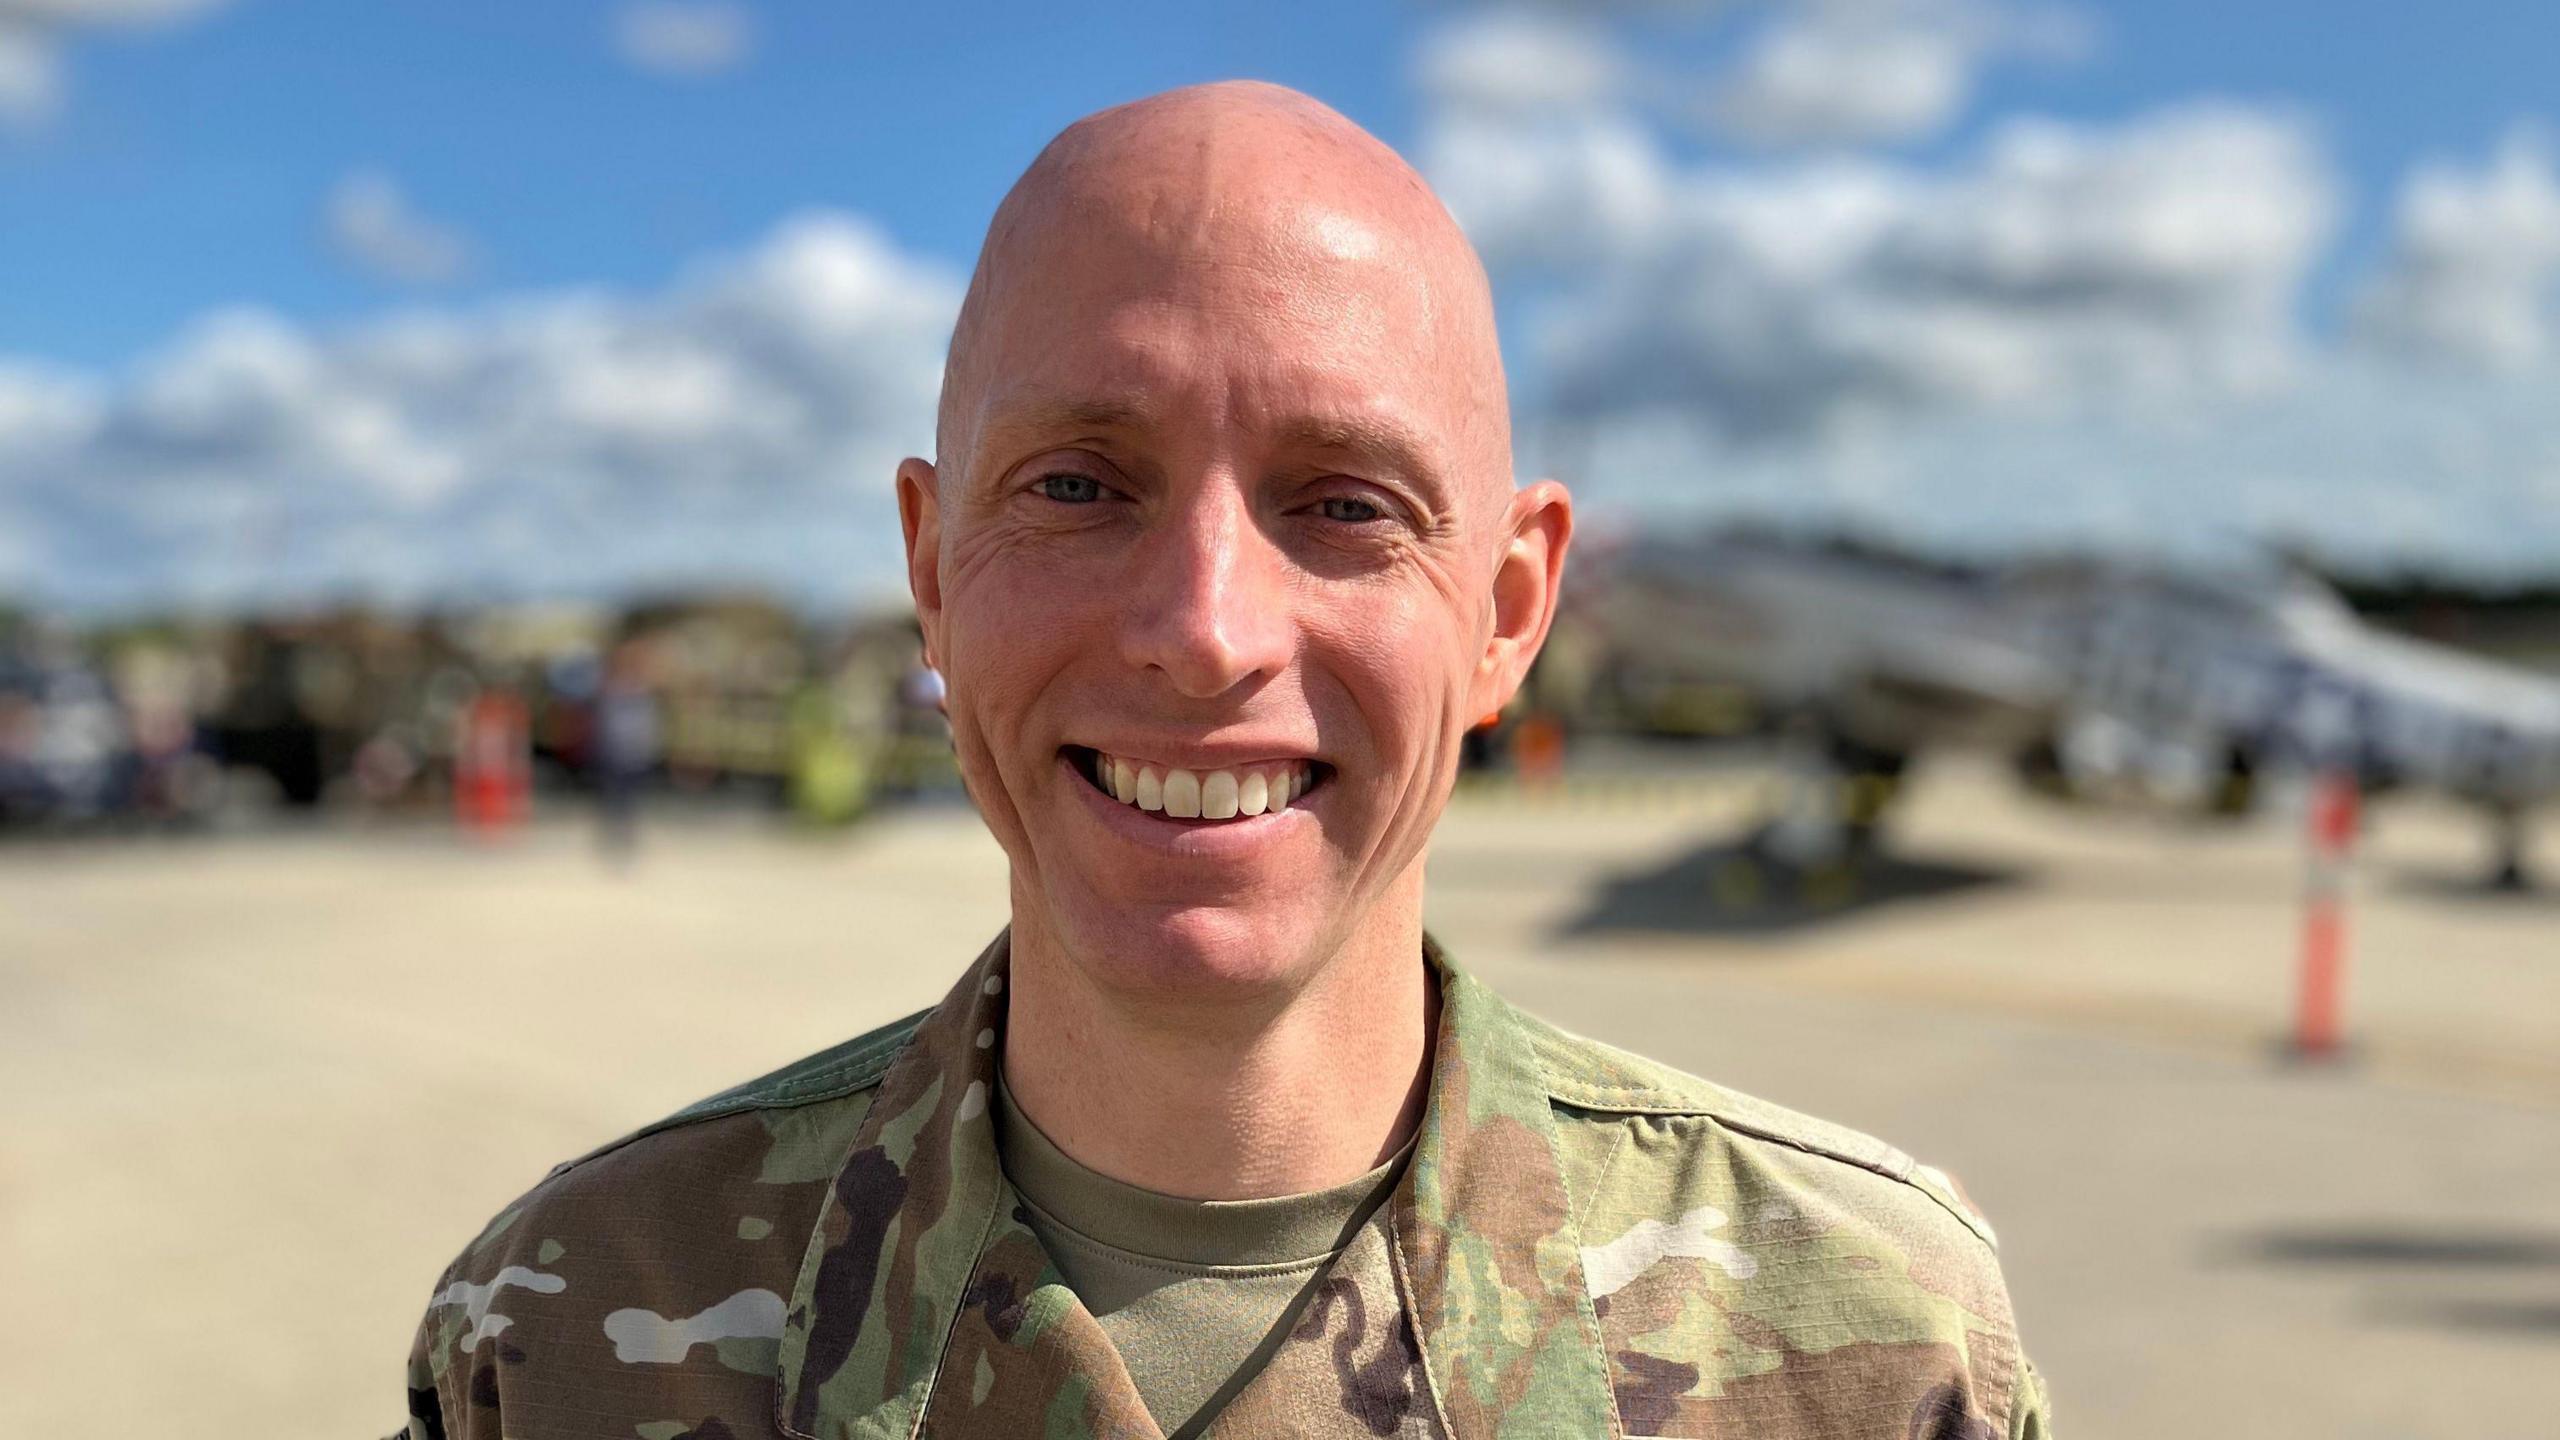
1220 537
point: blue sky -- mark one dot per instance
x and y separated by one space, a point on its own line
158 178
187 165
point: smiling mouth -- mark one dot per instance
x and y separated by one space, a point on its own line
1200 797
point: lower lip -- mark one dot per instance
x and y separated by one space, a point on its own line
1235 839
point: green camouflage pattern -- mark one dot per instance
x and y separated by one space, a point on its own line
1585 1244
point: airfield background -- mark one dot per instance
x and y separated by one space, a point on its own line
2071 494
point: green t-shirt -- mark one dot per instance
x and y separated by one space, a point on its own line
1195 1294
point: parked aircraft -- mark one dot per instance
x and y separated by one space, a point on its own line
1856 659
2101 678
2239 671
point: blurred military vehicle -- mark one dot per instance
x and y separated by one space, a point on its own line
65 750
716 699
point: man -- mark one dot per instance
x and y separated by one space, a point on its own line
1221 556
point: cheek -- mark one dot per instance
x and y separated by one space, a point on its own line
1402 664
1009 628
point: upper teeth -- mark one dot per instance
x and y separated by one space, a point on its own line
1202 794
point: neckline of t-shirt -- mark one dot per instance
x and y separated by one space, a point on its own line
1056 1232
1168 1230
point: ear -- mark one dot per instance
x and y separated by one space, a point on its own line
920 517
1526 580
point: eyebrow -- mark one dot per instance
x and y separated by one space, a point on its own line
1010 425
1080 415
1380 442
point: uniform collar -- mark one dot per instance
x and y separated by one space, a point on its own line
922 1294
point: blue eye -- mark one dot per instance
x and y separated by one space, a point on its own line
1350 509
1068 488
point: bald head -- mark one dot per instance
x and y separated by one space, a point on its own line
1246 199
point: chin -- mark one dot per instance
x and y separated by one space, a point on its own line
1190 951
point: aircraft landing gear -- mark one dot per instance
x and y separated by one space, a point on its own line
2512 875
1812 847
2235 790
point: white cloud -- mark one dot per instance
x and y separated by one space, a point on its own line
1849 72
1551 190
740 425
1529 139
30 73
688 39
371 221
1516 60
1782 302
33 32
39 405
2082 333
2475 262
2370 461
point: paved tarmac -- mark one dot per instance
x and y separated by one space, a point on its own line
255 1091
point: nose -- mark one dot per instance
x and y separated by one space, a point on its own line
1208 602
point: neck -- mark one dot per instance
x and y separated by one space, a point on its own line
1222 1097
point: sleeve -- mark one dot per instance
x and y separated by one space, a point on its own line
425 1410
2031 1412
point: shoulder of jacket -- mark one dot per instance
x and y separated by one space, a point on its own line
831 1074
1604 1081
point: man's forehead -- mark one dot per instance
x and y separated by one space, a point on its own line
1296 263
1238 254
1247 336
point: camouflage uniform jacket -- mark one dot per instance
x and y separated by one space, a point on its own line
1585 1244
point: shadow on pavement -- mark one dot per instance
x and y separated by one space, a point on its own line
2529 1318
1729 889
2399 1245
2409 1264
2474 887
